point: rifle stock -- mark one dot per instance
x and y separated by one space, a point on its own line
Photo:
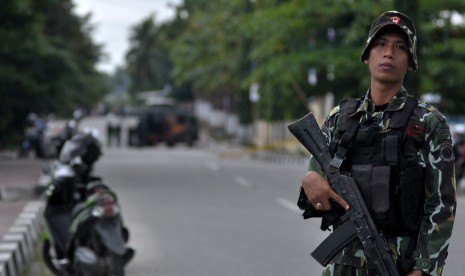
307 131
359 221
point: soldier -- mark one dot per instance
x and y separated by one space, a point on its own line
399 151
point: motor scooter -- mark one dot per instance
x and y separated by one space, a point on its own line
85 231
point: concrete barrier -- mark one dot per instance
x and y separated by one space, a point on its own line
7 259
18 245
3 271
18 257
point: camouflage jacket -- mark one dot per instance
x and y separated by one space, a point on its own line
429 128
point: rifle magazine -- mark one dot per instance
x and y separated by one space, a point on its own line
334 243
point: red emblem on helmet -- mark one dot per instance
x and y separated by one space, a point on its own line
395 19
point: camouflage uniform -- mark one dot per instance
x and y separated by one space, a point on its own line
429 128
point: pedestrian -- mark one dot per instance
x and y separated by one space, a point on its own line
113 129
399 151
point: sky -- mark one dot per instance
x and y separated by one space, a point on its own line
113 20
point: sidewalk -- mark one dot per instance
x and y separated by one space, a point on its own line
20 211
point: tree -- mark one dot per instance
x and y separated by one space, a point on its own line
294 38
221 48
212 55
442 52
71 57
147 62
19 40
48 62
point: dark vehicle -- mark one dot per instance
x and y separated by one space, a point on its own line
164 123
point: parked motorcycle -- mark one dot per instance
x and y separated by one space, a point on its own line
44 138
34 136
86 235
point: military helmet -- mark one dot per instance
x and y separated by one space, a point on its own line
394 18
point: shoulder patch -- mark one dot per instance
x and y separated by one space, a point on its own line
446 152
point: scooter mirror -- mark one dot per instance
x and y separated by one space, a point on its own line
46 169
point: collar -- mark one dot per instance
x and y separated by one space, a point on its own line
396 103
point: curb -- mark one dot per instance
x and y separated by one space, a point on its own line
281 158
18 245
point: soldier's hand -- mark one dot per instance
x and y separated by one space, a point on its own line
319 192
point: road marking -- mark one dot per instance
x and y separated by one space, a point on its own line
290 205
242 181
213 166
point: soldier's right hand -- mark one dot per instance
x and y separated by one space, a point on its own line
319 192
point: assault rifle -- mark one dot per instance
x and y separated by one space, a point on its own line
357 222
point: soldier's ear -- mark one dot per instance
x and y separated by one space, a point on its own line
366 57
410 67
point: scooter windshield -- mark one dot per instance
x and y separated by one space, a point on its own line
70 150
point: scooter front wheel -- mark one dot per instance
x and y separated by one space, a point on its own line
116 265
48 259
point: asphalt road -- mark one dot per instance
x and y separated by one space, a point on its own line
190 212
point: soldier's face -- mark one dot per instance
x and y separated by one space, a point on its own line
389 58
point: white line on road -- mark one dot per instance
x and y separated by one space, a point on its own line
242 181
288 205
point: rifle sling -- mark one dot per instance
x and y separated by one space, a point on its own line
344 144
398 123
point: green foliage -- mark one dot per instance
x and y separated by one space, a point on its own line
294 37
202 50
147 62
219 49
48 62
227 46
210 53
443 53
